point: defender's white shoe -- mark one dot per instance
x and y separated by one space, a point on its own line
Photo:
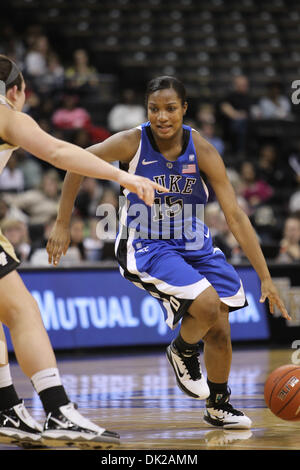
68 426
17 423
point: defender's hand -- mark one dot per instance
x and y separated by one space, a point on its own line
143 187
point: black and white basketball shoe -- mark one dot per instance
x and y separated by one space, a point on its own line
17 423
67 426
220 413
188 372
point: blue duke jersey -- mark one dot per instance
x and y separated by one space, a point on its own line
178 214
167 249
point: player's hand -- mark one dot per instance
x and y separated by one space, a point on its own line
143 187
269 291
58 242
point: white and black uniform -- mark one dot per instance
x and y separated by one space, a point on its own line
8 258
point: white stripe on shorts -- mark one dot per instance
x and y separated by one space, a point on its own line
170 315
235 300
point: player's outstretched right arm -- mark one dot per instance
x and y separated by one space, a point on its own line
21 130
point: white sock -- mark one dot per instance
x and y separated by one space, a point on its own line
45 379
5 376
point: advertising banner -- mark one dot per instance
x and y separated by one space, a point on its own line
99 308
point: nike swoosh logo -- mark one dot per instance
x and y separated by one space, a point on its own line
207 234
181 374
145 162
223 421
61 423
15 423
216 417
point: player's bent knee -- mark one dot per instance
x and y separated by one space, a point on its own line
12 316
28 311
206 306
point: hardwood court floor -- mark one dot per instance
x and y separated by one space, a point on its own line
137 396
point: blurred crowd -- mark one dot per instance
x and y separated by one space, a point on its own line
264 170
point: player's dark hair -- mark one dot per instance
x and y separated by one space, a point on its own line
165 82
6 68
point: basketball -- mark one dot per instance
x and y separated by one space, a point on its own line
282 392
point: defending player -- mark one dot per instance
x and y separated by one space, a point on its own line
18 309
170 252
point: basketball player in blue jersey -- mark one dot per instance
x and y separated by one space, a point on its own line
169 251
18 309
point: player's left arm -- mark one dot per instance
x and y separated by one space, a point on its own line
211 164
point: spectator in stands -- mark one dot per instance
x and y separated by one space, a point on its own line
126 114
32 33
16 232
91 134
77 238
53 80
12 44
267 161
236 109
76 253
207 130
47 107
227 242
266 224
109 199
12 178
89 197
205 114
92 243
33 103
82 138
40 203
254 189
222 237
70 115
275 105
36 58
39 242
212 217
31 169
290 243
271 169
236 181
8 211
81 76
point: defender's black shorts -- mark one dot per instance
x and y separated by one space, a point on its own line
8 259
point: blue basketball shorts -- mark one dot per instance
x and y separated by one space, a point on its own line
176 276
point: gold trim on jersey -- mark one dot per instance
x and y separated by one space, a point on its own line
7 146
7 102
7 247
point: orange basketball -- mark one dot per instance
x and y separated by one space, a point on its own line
282 392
